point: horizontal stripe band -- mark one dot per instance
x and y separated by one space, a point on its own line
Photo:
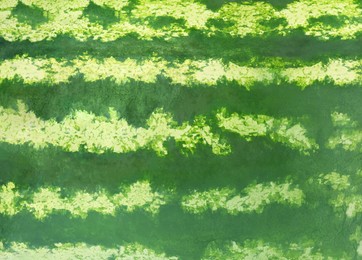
48 200
97 134
69 251
259 249
255 199
190 72
66 17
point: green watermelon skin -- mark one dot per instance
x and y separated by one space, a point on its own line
180 129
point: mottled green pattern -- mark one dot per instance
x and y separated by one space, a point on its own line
180 129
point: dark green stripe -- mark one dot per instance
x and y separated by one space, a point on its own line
257 160
135 101
216 5
295 48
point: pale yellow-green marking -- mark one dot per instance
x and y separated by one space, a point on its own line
67 251
344 195
254 199
242 19
335 180
259 249
299 13
8 199
280 130
48 200
347 135
195 14
98 134
209 72
45 201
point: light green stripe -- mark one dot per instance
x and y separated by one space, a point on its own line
66 17
259 249
97 134
338 72
68 251
188 73
48 200
254 199
279 130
